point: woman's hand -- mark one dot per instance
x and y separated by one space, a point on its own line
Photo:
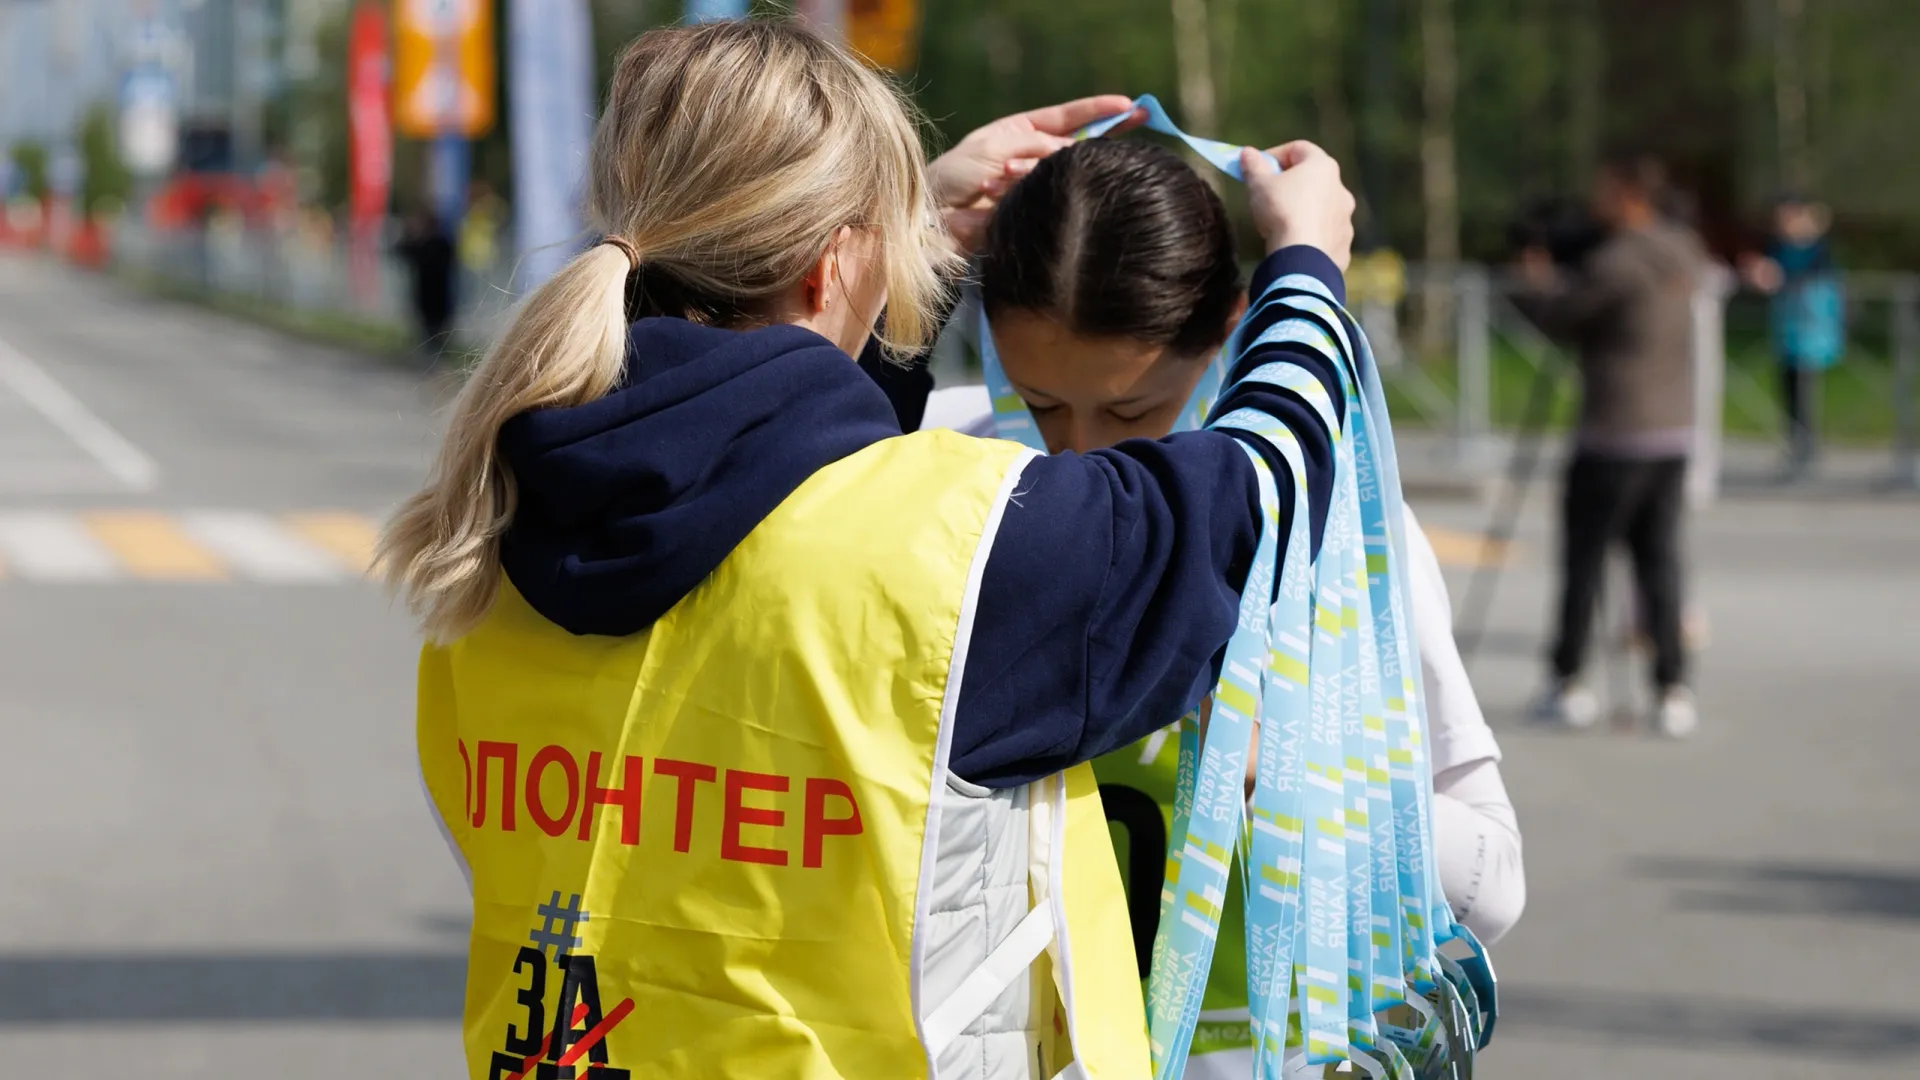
1537 270
1302 201
969 179
1761 273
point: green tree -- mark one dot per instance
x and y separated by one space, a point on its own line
105 183
316 111
1539 89
30 165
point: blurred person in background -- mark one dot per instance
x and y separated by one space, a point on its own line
1376 285
1807 317
479 244
1626 308
429 254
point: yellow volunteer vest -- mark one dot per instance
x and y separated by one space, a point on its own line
702 850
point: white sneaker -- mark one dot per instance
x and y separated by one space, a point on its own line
1678 717
1568 705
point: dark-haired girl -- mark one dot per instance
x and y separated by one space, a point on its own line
1109 284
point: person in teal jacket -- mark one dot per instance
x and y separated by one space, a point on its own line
1807 319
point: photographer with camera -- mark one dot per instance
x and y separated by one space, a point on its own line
1625 306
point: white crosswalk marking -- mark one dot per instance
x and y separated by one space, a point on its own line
53 547
258 547
134 544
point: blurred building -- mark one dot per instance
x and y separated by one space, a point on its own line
225 59
56 57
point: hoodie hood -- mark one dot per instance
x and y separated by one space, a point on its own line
625 504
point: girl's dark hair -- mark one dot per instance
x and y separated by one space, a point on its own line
1116 239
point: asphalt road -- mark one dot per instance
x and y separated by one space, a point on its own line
215 858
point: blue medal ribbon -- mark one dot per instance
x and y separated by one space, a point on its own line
1222 156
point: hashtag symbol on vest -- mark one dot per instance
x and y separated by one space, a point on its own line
557 926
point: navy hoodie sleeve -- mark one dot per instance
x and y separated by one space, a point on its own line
1114 580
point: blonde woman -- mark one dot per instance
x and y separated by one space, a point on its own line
699 709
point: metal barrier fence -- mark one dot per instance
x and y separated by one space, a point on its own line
1455 352
1465 378
307 267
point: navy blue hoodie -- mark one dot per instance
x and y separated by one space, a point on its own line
1111 588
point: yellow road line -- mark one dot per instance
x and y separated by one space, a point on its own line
1460 549
153 545
347 537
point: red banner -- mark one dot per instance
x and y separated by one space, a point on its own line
369 147
369 129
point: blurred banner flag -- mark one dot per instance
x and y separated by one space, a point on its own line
449 170
550 62
150 96
149 121
369 142
369 137
715 10
443 68
883 31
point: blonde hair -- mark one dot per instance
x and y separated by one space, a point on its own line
728 156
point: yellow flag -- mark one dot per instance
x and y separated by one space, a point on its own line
443 71
886 32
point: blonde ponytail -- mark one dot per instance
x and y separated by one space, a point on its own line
566 345
728 156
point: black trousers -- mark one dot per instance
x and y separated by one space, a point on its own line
1800 392
1640 502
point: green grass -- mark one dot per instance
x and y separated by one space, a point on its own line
1856 407
333 328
